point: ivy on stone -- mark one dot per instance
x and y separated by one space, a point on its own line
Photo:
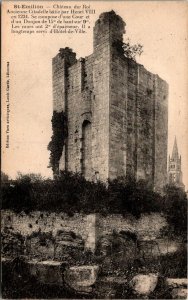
60 132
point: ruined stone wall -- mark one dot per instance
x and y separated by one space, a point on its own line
90 228
145 125
44 221
100 113
37 221
161 132
60 64
87 100
138 113
74 112
58 80
131 144
147 227
125 105
118 116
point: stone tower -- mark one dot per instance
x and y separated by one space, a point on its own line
117 111
174 168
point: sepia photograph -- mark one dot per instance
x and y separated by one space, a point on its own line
94 152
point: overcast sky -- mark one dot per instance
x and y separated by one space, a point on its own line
161 27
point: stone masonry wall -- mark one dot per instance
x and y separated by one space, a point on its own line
26 224
118 116
87 98
138 110
161 132
132 121
60 64
90 228
100 113
145 125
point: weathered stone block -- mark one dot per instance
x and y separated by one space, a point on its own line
81 276
144 284
47 272
177 282
179 293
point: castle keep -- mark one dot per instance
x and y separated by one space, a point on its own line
117 111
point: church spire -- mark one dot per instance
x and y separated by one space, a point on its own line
174 169
175 154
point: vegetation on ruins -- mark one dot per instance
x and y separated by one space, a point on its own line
72 193
129 50
132 51
4 177
55 146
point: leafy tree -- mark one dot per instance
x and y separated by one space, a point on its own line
4 177
132 51
30 177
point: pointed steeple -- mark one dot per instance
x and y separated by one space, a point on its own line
175 154
174 169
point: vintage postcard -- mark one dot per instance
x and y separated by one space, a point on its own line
94 149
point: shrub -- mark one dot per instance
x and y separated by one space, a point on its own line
128 50
60 131
134 197
175 207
